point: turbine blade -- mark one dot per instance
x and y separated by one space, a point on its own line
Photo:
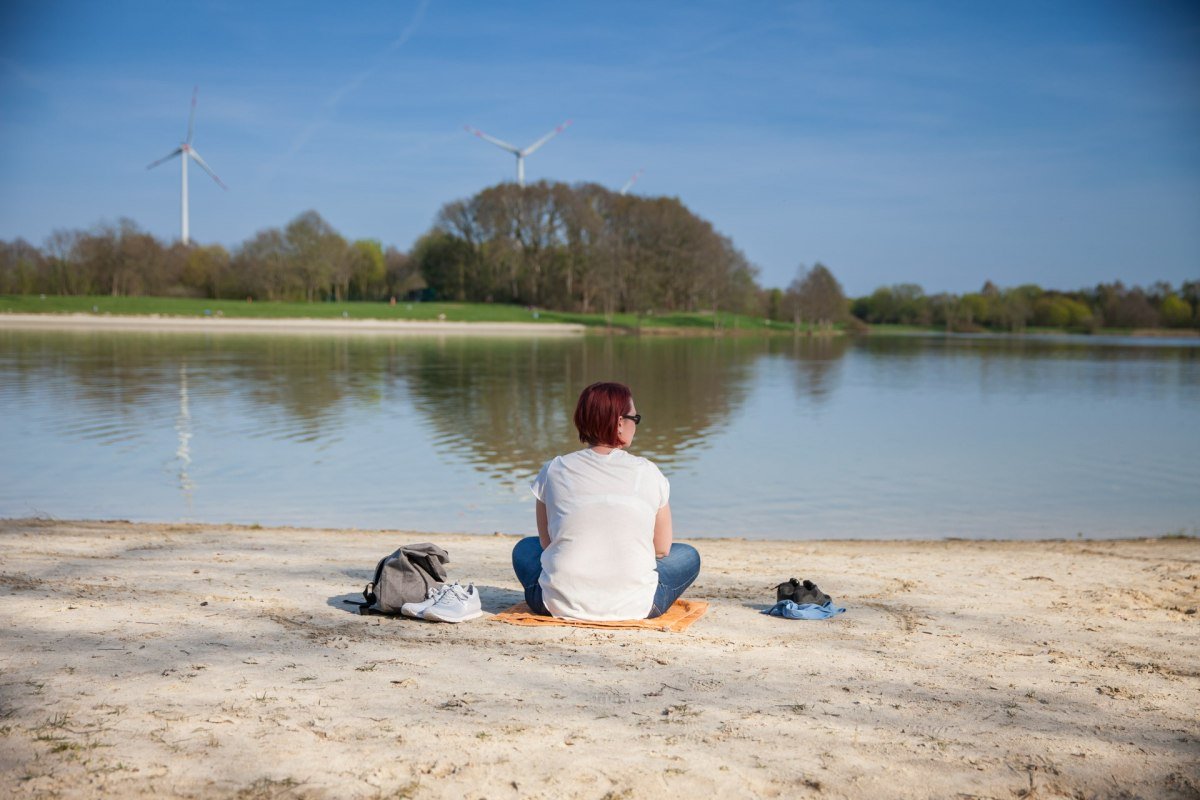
196 157
499 143
629 183
192 115
167 157
546 138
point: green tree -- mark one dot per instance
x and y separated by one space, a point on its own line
20 267
1189 292
773 304
1054 310
368 270
1175 312
442 259
1014 308
206 268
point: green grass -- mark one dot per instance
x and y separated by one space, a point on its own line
698 322
888 329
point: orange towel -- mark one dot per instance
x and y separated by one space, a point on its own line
679 618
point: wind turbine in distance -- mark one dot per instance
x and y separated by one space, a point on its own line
186 151
516 151
629 183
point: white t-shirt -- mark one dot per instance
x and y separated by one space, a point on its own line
600 564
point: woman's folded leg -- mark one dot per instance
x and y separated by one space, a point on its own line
527 564
676 572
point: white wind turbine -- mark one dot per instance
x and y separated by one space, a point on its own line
629 183
516 151
186 151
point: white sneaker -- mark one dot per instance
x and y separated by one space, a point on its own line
416 610
455 604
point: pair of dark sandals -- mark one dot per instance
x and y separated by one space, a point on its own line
800 592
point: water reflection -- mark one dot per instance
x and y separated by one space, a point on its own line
1095 366
505 406
502 405
773 436
183 427
817 361
299 386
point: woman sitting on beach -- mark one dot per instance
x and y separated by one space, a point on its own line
603 549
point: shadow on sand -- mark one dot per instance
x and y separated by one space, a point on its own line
493 599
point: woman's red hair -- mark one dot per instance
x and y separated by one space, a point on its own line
599 410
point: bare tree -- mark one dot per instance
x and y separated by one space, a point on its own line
317 254
583 247
815 296
401 275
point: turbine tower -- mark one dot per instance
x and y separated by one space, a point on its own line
186 151
629 183
516 151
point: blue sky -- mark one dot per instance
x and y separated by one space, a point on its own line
938 143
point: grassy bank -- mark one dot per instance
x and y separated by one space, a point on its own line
700 322
697 322
917 330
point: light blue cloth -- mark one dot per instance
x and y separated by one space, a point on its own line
791 610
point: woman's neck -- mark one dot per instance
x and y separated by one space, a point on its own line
602 449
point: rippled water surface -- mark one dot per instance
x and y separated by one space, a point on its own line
765 438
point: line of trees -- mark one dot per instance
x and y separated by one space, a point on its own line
573 248
1107 305
583 248
305 260
551 245
815 297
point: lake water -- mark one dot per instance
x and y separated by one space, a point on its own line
782 438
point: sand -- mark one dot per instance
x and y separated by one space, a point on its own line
144 660
218 325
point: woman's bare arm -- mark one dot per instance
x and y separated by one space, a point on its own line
663 533
543 523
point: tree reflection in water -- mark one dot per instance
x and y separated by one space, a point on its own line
764 433
506 406
817 361
503 405
298 386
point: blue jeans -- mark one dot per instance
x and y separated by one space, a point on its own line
676 572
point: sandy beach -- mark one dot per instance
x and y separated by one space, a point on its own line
144 660
214 324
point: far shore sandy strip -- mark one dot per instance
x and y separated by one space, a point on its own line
213 661
214 324
83 321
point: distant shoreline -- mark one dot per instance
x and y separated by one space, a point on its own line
438 314
215 324
1135 333
219 324
167 323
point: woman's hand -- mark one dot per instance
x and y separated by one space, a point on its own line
543 523
663 533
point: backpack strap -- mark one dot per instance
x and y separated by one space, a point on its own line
369 598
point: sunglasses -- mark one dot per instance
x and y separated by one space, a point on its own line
637 418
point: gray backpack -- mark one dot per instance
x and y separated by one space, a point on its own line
406 576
